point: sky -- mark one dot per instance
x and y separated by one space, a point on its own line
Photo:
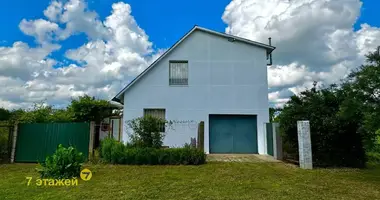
53 51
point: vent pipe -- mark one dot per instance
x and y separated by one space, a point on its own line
270 55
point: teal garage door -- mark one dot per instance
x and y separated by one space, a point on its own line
233 133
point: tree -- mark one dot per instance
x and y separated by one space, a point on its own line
40 113
363 87
335 141
273 113
86 108
4 114
344 118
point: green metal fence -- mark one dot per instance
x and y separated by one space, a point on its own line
38 140
270 150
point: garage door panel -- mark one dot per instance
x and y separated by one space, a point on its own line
244 135
222 139
233 134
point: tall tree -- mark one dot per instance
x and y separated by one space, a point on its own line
344 118
363 88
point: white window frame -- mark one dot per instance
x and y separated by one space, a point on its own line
180 81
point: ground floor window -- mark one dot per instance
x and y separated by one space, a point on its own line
159 113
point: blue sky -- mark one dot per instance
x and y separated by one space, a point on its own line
159 19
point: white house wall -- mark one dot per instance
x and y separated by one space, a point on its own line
224 78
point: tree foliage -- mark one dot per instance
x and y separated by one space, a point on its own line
40 113
344 119
273 113
4 114
87 108
335 141
81 109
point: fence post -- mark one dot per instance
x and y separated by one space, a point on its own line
201 133
304 145
13 153
92 138
277 142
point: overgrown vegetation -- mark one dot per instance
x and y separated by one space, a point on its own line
4 141
81 109
147 131
146 147
344 118
4 114
116 152
64 163
86 108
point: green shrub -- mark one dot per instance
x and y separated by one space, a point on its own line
4 144
147 131
117 153
106 149
373 157
64 163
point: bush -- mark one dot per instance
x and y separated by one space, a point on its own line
335 136
117 153
373 157
108 149
64 163
147 131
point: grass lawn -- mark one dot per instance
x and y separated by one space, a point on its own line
211 181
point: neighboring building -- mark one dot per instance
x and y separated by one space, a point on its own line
111 127
206 76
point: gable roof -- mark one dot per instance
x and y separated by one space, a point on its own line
269 49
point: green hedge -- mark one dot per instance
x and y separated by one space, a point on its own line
117 153
373 157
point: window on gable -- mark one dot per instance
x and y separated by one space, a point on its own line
178 73
158 113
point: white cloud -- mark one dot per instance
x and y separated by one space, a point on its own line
21 61
78 19
53 11
117 50
315 39
41 29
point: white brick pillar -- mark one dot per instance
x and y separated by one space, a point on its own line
304 145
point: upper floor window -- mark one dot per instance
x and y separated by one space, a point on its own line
178 73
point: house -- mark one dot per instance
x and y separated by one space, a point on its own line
206 76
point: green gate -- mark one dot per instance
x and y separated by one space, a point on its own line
233 134
36 141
